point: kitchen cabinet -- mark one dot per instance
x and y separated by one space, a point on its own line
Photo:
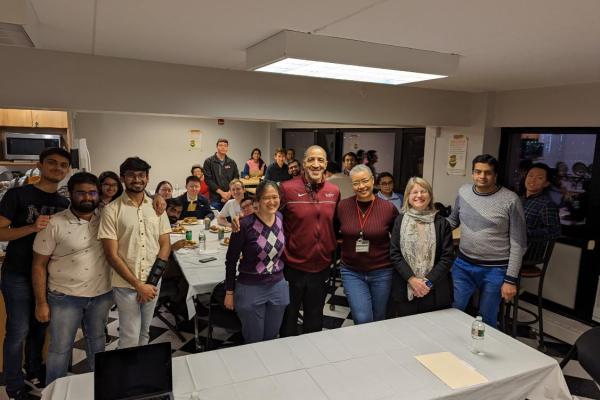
21 118
33 118
49 119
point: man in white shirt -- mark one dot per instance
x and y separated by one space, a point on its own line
71 278
135 240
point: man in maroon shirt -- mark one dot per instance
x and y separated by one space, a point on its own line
308 207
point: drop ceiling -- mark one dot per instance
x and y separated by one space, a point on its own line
505 45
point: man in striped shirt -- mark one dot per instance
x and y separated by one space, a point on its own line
492 243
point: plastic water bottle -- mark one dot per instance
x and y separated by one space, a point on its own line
202 241
477 335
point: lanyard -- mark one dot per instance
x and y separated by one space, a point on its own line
362 221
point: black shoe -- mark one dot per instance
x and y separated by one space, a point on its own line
22 394
36 384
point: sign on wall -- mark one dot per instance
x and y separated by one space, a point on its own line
195 141
457 155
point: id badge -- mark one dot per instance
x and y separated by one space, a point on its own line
362 246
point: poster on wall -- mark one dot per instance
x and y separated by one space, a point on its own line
195 141
457 155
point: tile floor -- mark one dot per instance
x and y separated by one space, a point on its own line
562 331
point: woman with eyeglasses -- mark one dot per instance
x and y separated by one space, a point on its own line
164 189
259 293
110 187
385 181
422 253
366 222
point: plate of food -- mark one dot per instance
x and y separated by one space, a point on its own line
216 228
190 244
190 221
178 230
224 242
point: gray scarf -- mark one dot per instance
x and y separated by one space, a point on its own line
418 242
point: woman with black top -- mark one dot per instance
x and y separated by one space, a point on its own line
422 253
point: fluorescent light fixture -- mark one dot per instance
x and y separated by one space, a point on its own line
296 53
320 69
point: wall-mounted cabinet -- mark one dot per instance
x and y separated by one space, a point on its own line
20 118
33 118
37 119
49 119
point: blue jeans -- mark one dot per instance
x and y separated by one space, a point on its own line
217 204
66 315
367 293
261 308
134 317
467 277
21 329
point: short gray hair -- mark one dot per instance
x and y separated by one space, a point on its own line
361 168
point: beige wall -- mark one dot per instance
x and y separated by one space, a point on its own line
163 142
49 79
568 106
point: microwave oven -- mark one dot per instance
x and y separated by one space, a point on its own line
27 146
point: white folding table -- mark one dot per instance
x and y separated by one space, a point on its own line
364 362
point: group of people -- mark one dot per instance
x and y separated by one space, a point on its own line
68 262
397 252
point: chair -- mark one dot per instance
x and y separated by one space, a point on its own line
538 254
168 290
335 271
585 350
218 315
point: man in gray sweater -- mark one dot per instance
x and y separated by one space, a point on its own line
493 240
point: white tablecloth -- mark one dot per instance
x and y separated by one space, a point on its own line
202 277
371 361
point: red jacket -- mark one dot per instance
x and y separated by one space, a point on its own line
308 223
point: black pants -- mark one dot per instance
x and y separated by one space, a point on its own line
307 289
415 306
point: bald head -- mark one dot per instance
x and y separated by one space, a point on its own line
315 162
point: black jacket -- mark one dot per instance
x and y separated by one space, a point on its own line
202 208
218 176
277 174
439 274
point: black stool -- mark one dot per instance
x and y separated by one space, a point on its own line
335 271
535 264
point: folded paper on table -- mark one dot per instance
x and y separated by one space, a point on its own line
451 370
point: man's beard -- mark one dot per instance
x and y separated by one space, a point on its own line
85 207
173 219
132 189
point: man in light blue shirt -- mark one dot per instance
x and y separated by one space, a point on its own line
385 181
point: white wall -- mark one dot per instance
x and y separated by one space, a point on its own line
446 186
163 142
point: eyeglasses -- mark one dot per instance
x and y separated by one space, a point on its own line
365 181
135 175
82 193
386 183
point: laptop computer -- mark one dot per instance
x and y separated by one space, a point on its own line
136 373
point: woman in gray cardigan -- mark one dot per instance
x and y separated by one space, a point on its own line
422 253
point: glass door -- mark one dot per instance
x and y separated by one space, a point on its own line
573 154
